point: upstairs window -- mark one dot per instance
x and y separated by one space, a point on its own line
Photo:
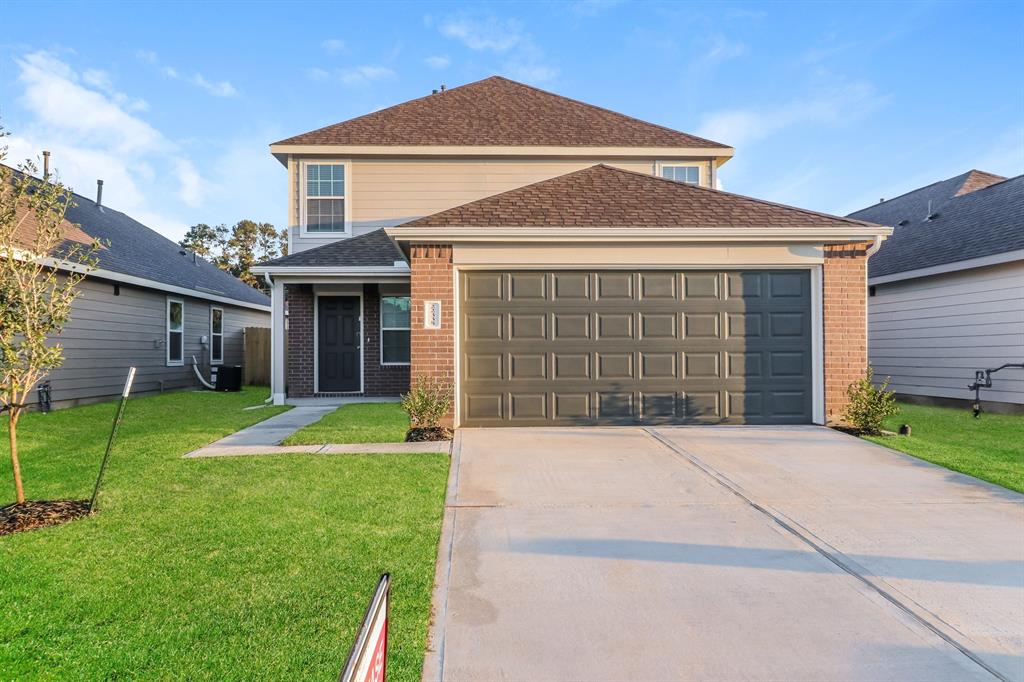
395 321
175 331
688 174
323 202
216 336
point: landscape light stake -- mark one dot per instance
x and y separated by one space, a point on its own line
113 435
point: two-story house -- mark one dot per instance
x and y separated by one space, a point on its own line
557 263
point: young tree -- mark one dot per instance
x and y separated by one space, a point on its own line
35 299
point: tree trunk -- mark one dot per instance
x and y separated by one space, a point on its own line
12 435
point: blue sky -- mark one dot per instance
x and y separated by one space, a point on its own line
830 106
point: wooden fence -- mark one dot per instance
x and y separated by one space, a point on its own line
257 356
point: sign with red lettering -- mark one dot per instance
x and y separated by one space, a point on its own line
368 659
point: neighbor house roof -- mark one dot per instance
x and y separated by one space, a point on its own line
497 111
130 248
970 216
373 249
604 196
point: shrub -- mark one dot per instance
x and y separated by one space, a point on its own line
869 405
427 402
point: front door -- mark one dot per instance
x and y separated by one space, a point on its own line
338 324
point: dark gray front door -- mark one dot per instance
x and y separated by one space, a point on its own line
338 352
619 347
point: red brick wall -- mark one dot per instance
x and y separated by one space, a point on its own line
845 322
299 363
378 380
433 350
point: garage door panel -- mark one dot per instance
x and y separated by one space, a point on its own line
636 347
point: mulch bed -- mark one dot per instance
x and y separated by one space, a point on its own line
418 435
33 514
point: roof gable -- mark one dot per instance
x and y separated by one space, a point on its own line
604 196
497 111
373 249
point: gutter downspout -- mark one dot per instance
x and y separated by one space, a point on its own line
873 249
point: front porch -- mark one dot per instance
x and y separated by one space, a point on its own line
341 341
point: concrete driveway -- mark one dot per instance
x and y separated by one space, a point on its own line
774 553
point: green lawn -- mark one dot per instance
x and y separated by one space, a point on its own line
356 423
237 568
990 448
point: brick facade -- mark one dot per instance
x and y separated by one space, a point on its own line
845 322
299 363
378 380
433 350
300 367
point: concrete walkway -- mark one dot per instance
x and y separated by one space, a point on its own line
721 553
265 437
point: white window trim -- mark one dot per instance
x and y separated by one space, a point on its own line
701 167
167 332
394 329
347 165
220 360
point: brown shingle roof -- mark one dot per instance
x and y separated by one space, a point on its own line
498 112
976 180
603 196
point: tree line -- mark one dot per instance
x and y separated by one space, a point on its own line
238 248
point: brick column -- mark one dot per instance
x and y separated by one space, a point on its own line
844 297
433 350
299 358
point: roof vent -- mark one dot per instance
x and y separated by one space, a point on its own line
902 222
442 87
930 216
99 194
46 165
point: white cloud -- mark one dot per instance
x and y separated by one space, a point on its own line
489 33
333 46
723 49
318 74
524 59
192 186
146 56
438 62
92 134
215 88
834 106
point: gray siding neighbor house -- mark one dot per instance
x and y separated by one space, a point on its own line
946 290
149 304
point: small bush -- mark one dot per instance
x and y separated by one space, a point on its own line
427 402
869 405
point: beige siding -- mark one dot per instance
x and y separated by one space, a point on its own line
931 334
387 192
108 333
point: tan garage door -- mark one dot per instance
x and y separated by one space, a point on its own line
615 347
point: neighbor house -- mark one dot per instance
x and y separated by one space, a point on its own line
947 290
557 263
148 304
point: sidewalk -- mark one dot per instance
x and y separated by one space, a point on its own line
265 438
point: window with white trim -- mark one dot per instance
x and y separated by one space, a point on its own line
323 197
395 323
175 341
681 173
216 335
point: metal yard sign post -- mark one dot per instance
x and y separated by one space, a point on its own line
367 661
113 435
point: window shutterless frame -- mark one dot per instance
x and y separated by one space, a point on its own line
216 335
174 338
384 328
304 170
682 168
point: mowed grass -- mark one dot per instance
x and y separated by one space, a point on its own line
239 568
990 448
356 423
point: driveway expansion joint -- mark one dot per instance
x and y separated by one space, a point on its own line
833 555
